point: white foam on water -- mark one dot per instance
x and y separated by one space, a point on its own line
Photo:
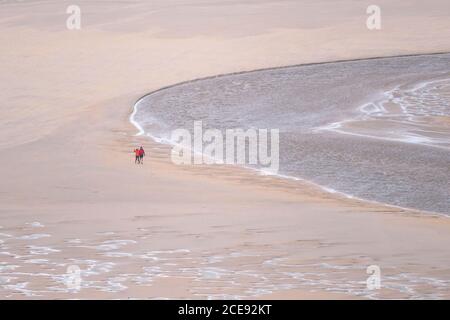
415 103
153 271
74 241
5 235
35 224
169 251
7 253
212 273
114 254
134 122
248 280
8 267
213 259
106 233
6 279
109 245
37 261
149 257
34 236
142 279
41 250
20 288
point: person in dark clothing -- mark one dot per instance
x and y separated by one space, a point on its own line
141 155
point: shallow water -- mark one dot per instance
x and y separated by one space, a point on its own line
42 268
375 129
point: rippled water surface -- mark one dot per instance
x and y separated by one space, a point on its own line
376 129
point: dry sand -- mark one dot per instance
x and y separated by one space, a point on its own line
159 230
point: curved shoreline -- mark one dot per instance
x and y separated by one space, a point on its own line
322 188
286 67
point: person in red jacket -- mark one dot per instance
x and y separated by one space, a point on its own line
137 153
141 155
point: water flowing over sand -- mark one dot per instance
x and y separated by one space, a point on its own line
376 129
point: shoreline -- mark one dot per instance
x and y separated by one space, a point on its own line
287 67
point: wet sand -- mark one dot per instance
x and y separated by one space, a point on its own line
162 231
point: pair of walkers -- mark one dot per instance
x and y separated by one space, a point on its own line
139 153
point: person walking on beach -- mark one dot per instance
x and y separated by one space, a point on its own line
141 155
137 153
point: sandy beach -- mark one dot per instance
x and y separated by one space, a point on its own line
72 197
